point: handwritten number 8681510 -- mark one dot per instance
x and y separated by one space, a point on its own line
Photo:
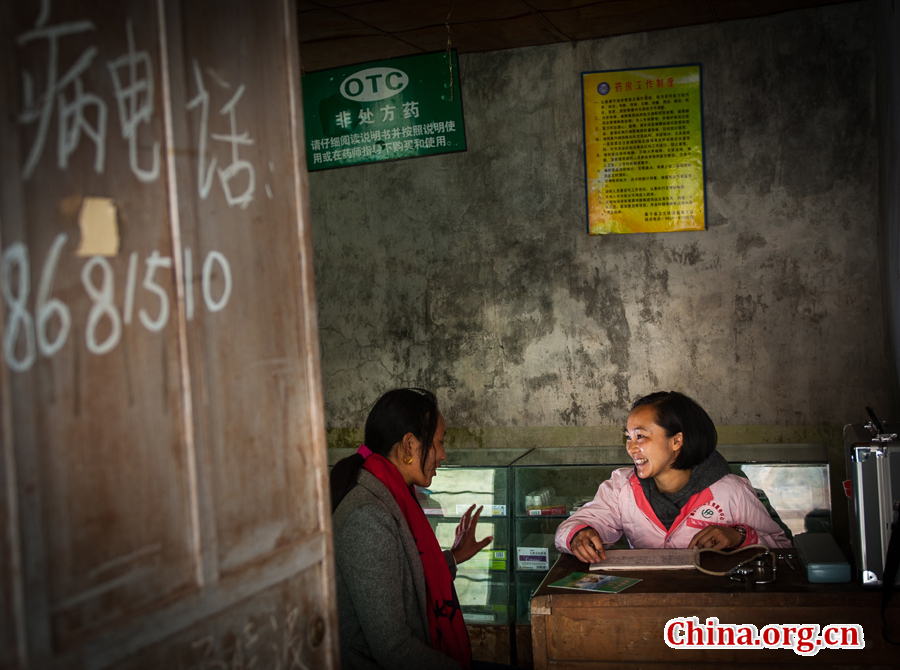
35 331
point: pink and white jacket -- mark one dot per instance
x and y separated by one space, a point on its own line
621 507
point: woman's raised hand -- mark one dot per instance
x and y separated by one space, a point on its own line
465 546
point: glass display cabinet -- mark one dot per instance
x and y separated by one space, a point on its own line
477 477
550 483
791 481
335 455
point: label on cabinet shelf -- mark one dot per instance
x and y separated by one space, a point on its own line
489 510
533 558
546 510
486 559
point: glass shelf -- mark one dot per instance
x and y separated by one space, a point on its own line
494 557
477 477
526 584
456 488
791 480
548 485
483 597
335 455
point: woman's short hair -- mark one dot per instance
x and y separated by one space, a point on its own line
394 414
677 413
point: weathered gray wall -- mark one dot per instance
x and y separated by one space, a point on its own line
472 274
888 96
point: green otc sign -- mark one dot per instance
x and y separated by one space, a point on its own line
383 110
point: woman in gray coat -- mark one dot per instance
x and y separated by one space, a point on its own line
397 606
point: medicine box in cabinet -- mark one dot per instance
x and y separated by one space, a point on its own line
533 559
534 552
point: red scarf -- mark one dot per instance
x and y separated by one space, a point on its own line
445 620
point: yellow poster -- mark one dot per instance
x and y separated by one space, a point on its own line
643 140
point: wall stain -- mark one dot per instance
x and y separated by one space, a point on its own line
746 307
548 379
573 414
602 302
648 313
748 241
789 283
660 277
686 255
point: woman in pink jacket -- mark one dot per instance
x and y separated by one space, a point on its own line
679 494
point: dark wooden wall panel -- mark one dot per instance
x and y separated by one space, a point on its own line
255 418
11 614
280 627
110 474
163 449
10 582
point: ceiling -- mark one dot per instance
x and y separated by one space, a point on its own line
344 32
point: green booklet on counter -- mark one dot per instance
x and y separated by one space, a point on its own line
595 582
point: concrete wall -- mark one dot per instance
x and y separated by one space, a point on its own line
472 274
888 96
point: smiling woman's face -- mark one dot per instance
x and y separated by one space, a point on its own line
652 452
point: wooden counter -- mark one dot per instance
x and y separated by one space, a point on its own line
572 629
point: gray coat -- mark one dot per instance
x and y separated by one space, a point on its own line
381 585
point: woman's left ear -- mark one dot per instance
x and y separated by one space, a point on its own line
408 448
677 441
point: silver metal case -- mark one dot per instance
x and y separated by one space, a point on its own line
874 472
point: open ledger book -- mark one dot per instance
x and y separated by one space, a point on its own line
646 559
